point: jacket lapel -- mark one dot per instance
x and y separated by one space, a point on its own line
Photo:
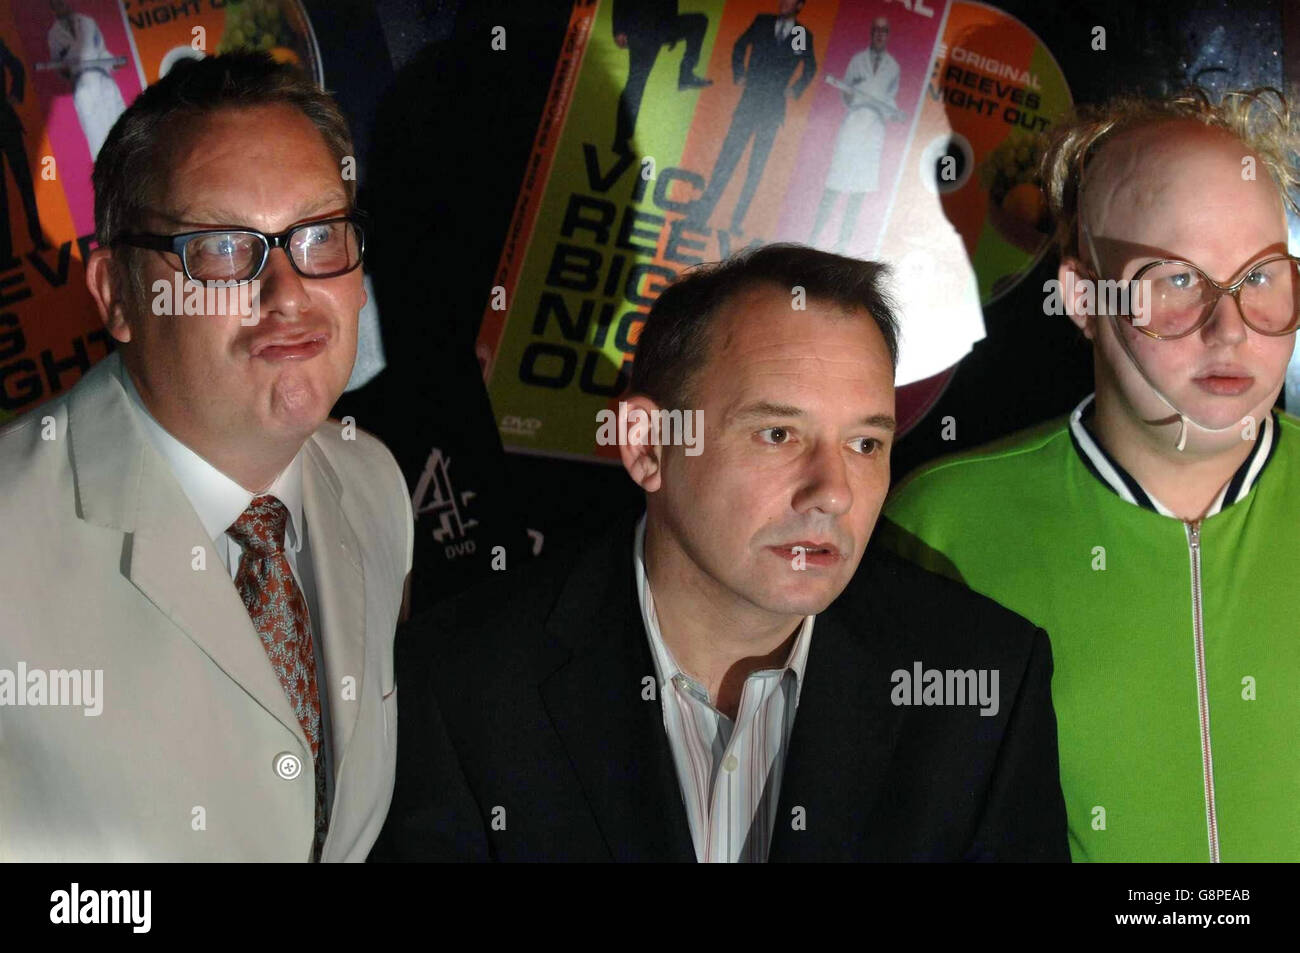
842 743
614 735
340 597
122 484
843 739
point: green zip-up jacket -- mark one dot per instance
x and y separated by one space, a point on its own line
1176 645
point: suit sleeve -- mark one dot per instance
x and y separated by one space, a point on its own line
739 51
808 69
15 66
434 815
407 516
1024 819
856 72
622 16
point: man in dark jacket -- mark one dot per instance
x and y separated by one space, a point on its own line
765 58
715 683
642 27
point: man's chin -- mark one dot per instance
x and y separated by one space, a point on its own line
299 402
800 597
295 420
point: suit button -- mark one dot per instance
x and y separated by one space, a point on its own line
288 766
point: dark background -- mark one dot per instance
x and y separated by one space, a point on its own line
444 125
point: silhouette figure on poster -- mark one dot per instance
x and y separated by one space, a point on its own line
14 79
764 59
870 86
77 50
642 27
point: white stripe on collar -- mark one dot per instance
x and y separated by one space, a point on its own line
1110 472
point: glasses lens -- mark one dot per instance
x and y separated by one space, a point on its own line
1171 298
1269 295
321 249
223 256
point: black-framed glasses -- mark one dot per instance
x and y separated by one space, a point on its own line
1171 298
325 248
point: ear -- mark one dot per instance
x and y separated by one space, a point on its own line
107 282
639 450
1080 305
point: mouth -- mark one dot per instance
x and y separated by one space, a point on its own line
298 347
1225 381
812 552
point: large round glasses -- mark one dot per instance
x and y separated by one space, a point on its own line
1172 298
325 248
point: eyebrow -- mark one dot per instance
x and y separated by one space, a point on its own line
227 216
764 409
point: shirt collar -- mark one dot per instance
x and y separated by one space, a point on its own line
1108 470
217 499
666 667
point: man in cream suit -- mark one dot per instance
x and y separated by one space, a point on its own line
201 574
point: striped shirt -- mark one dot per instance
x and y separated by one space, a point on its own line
729 772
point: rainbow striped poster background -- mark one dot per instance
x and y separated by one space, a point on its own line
66 80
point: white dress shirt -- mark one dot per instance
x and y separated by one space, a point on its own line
218 501
729 772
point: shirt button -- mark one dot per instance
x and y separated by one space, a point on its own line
287 766
729 763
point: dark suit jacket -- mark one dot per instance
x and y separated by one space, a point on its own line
771 63
525 734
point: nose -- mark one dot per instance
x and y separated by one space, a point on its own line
1226 324
280 288
824 482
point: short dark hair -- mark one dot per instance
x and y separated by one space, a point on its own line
674 343
128 171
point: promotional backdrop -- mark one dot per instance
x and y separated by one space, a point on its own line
904 133
476 123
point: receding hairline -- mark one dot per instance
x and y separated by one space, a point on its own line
1262 118
1123 159
760 283
193 123
757 284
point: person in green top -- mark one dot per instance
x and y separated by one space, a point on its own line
1154 533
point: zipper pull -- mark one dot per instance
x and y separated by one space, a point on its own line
1194 533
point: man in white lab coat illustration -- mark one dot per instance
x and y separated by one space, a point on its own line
870 86
77 50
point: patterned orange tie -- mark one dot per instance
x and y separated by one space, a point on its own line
279 613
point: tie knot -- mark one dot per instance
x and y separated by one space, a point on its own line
260 528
